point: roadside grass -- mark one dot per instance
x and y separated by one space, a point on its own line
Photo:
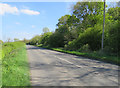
15 68
8 47
92 55
0 65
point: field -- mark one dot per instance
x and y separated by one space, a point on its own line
15 71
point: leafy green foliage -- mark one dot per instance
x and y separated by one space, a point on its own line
112 37
63 20
35 40
82 30
15 39
44 39
91 36
88 13
114 13
1 41
56 40
45 29
84 48
7 48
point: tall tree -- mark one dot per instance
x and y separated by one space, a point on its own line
67 27
88 12
46 29
16 39
114 13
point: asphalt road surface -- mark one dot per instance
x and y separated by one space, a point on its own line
52 68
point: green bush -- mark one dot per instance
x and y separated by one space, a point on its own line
56 40
45 38
84 48
35 40
71 45
112 38
91 36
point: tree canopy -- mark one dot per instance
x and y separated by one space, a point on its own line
83 29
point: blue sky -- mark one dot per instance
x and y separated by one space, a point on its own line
27 19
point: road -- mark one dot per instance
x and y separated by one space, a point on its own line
52 68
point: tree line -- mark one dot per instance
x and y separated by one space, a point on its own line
82 30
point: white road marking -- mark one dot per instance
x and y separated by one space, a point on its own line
64 60
68 61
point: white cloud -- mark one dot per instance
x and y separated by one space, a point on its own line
17 23
33 26
5 8
30 12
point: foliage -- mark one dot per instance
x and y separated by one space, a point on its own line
88 13
8 47
45 29
91 36
63 20
114 13
67 24
35 40
1 41
64 31
16 39
56 40
44 39
84 48
25 41
15 71
112 37
82 30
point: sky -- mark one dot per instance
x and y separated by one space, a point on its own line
27 19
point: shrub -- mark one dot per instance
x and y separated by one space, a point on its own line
45 38
91 36
112 38
56 40
84 48
72 45
35 40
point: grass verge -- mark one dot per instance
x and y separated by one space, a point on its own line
91 55
15 68
0 65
